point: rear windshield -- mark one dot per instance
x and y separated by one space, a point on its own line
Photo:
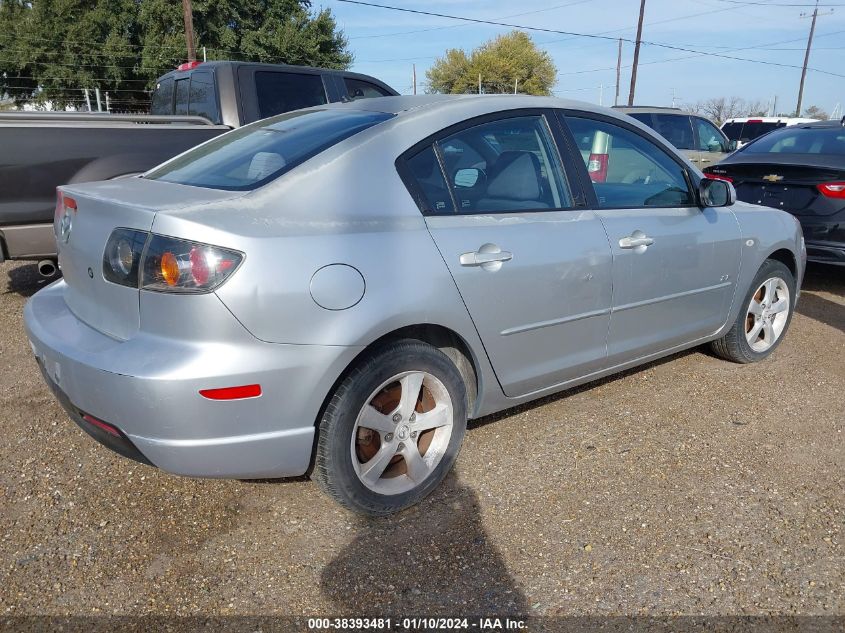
750 130
796 140
253 155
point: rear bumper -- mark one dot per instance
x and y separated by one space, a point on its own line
825 238
148 388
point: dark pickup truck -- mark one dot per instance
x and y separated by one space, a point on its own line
196 102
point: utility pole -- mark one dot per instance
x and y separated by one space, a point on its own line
99 102
601 94
479 83
618 73
515 84
188 13
807 55
636 54
414 66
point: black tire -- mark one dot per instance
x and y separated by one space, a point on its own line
733 345
333 469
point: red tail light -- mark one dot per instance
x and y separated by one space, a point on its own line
717 177
597 167
232 393
108 428
832 189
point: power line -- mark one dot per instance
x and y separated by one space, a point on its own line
584 35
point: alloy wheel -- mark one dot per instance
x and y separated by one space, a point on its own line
402 432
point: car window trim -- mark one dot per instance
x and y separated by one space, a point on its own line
691 179
546 114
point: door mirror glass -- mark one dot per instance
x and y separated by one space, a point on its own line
716 193
467 177
732 145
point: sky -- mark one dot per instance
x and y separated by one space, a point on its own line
387 43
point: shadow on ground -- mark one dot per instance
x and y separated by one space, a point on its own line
433 559
25 280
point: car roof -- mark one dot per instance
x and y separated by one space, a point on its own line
410 103
822 124
650 110
769 119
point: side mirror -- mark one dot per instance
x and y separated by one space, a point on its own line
716 193
732 145
467 178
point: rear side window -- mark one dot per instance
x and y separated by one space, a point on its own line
675 128
254 155
182 96
163 97
358 89
203 98
430 182
282 92
627 170
801 141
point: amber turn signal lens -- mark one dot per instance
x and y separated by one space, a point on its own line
169 269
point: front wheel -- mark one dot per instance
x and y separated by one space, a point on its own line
392 429
764 318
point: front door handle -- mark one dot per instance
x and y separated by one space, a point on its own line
636 241
489 257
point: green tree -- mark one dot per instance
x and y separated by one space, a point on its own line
50 50
504 63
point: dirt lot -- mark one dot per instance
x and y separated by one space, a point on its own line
689 486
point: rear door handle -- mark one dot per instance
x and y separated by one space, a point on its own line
635 241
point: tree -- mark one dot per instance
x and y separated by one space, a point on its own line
815 112
53 49
721 109
504 63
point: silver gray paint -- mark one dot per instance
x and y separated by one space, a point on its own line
542 322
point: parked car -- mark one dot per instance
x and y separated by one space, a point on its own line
799 169
701 141
337 290
743 130
189 106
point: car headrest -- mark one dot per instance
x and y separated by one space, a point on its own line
516 177
264 164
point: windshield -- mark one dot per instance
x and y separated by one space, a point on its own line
254 155
795 140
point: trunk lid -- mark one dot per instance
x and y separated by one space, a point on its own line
130 203
785 184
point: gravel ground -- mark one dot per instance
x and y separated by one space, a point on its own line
691 485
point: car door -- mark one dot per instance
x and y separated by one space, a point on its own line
530 261
712 143
674 264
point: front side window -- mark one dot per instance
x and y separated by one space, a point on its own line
163 97
675 128
709 138
280 92
627 169
253 155
503 166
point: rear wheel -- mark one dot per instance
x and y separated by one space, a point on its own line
392 430
765 317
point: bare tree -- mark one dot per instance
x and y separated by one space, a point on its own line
721 109
815 112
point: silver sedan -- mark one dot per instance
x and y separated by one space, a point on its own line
335 291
